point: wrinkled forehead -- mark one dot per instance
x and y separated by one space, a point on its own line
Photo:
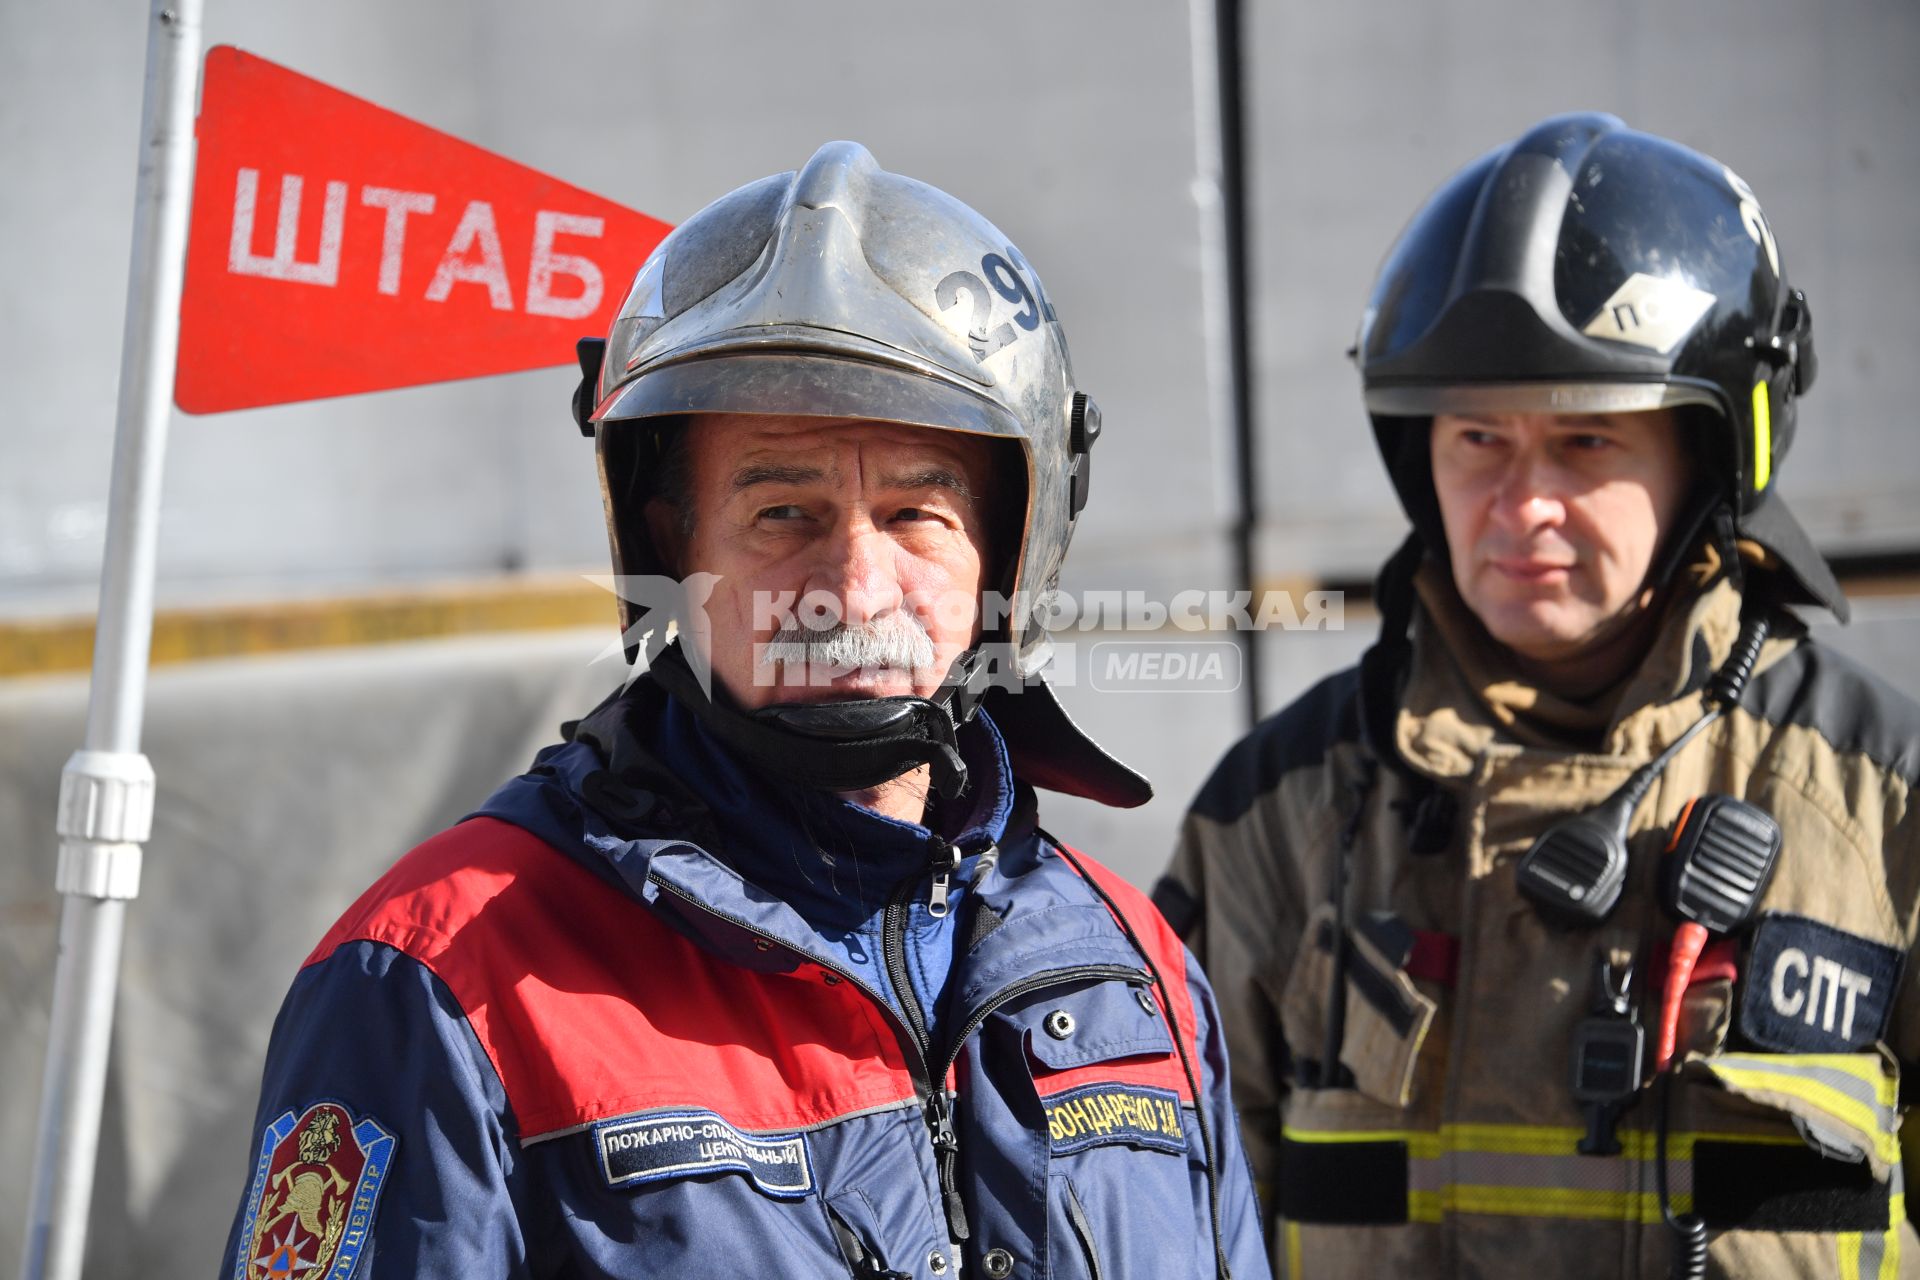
730 445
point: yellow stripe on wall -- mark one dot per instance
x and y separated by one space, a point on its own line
51 646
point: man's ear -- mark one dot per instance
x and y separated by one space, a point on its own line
667 530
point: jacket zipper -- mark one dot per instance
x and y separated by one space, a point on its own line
940 1114
936 1107
944 863
946 1141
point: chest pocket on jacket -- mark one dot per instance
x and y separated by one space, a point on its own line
1104 1066
1385 1016
1836 1167
1071 1027
1127 1183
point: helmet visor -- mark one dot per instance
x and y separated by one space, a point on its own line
1413 401
807 386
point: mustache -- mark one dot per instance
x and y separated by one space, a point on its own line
895 641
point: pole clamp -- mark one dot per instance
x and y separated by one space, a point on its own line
106 796
90 869
106 814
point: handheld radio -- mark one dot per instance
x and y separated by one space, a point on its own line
1574 872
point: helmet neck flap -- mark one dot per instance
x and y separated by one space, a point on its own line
849 745
854 745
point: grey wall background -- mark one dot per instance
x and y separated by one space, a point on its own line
1070 123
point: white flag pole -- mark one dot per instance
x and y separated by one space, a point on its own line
106 791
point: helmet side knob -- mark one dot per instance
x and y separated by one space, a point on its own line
591 352
1083 428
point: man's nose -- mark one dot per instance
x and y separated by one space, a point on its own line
858 571
1529 495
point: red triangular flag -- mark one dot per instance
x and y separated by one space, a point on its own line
337 247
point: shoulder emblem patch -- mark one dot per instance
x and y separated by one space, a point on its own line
681 1144
316 1182
1810 988
1131 1115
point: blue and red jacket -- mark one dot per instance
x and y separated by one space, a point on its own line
645 1014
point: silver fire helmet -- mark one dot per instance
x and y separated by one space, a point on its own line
846 291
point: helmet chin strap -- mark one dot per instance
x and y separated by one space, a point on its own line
1706 513
849 745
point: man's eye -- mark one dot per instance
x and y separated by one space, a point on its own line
786 511
1474 437
925 516
1589 441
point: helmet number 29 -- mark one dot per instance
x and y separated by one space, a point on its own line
1754 220
1009 277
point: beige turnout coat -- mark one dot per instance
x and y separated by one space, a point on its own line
1451 1149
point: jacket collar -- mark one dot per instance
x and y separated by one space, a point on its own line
644 800
834 861
642 784
1462 694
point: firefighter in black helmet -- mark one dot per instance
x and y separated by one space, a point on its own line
1567 934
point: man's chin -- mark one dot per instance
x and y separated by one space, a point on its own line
1544 634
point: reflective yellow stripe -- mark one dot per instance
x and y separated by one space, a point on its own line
1420 1146
1494 1139
1561 1202
1864 1067
1425 1206
1824 1097
1431 1205
1527 1140
1294 1269
1883 1259
1849 1245
1352 1135
1808 1066
1512 1139
1540 1202
1762 437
